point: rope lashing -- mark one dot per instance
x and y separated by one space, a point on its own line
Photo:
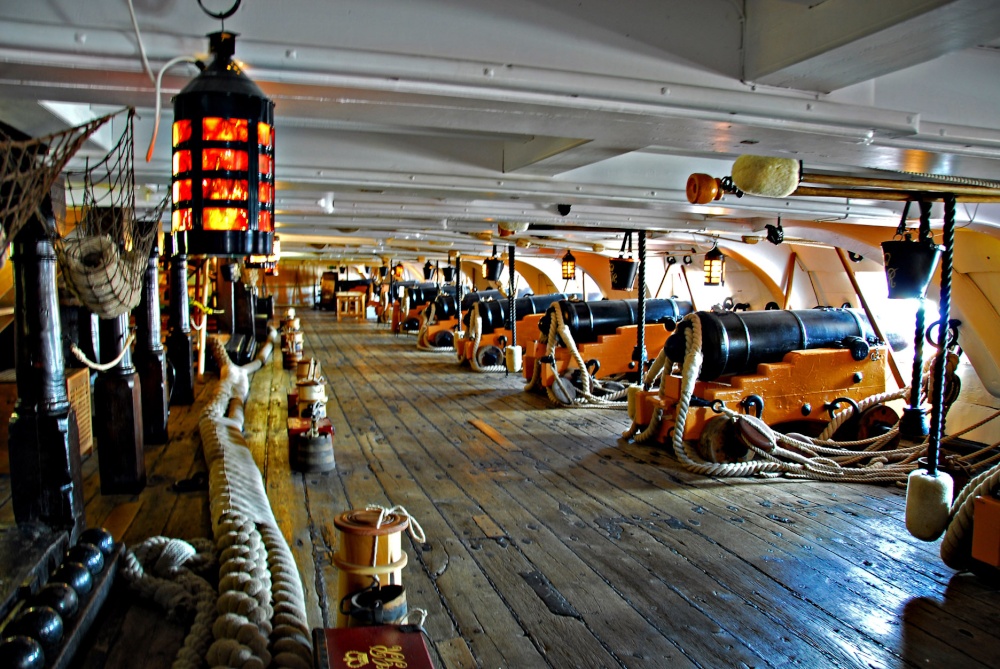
476 334
415 530
559 331
102 367
818 459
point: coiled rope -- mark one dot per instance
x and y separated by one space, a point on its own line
257 617
476 335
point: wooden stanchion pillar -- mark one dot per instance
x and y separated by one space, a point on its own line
44 446
180 354
118 423
150 356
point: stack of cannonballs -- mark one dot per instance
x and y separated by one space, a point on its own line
46 626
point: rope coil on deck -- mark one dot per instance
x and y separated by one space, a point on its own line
476 335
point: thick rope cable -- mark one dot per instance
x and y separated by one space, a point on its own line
428 317
79 354
164 570
823 460
476 330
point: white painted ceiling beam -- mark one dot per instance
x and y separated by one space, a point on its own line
825 45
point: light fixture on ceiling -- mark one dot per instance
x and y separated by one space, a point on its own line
775 233
223 159
623 270
715 267
428 270
568 266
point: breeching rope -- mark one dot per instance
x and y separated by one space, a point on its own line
819 459
476 335
257 617
428 317
558 330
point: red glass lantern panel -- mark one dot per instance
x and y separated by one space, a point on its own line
182 131
264 134
265 192
180 220
182 162
224 159
224 189
224 130
264 221
224 218
182 190
266 163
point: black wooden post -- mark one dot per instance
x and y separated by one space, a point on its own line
44 447
118 420
179 350
150 357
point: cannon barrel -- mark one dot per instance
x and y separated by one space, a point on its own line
445 303
589 320
424 293
735 343
493 313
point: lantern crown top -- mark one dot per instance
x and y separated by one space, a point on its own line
223 74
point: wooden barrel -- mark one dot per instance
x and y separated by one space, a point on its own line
366 549
312 454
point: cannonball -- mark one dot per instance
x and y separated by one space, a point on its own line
89 555
41 623
21 652
76 576
100 537
60 597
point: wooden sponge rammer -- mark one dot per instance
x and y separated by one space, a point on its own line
766 177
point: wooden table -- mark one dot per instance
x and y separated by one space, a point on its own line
351 304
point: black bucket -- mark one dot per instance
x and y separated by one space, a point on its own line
909 267
492 268
384 605
623 271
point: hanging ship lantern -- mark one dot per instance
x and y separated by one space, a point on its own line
223 159
568 266
715 267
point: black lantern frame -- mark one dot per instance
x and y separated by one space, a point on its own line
715 267
223 159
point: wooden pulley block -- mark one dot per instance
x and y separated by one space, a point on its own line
719 442
703 188
876 420
564 390
749 435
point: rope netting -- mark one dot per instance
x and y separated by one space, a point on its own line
102 246
29 168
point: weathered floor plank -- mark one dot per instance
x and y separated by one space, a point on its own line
552 542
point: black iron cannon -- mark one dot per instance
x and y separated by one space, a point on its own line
589 320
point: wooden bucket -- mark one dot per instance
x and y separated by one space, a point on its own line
363 545
313 454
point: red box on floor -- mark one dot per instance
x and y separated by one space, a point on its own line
370 648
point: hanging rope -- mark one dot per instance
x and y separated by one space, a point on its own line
102 367
476 335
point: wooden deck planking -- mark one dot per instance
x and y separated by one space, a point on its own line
551 542
409 378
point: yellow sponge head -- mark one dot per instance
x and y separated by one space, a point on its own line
766 177
928 504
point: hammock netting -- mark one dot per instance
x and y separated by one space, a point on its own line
103 247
